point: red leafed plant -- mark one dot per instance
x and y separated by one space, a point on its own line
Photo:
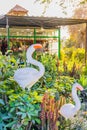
50 111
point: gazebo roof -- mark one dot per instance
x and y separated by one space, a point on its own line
18 11
38 22
18 8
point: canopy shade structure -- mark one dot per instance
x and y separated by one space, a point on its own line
8 21
32 21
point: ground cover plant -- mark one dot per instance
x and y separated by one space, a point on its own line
37 109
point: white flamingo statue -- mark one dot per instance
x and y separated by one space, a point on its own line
27 77
69 110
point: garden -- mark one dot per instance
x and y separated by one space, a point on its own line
39 105
38 108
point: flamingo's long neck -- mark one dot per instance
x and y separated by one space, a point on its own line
35 62
38 64
76 99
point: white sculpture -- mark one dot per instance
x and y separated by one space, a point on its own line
27 77
69 110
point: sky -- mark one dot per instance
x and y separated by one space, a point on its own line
35 9
5 6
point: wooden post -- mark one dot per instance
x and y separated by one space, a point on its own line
7 29
86 45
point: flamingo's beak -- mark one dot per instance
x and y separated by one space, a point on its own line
80 88
37 46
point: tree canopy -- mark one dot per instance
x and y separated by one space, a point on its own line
62 3
79 30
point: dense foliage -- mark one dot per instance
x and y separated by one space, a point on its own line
37 109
